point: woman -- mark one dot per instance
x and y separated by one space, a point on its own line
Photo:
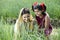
23 23
42 18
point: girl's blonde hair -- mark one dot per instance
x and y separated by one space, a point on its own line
17 28
20 20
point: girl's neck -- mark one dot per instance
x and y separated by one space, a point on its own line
41 16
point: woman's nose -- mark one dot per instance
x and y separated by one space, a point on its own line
36 12
26 18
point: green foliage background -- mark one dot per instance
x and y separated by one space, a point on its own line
11 8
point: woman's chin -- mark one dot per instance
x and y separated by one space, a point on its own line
37 15
25 21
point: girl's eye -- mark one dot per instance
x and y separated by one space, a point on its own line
28 16
24 17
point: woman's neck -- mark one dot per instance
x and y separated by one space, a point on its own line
41 16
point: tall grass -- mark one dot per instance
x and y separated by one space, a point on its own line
7 33
11 8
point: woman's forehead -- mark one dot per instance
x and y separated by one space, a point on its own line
36 10
26 14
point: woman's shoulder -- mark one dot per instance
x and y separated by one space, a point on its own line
47 17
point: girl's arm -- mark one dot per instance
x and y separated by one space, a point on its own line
16 29
47 21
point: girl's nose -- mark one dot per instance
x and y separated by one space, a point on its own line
26 19
36 12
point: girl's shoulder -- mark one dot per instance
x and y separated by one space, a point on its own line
47 17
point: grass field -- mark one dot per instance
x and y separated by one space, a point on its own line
6 33
11 8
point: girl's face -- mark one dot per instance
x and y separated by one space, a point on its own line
26 17
37 12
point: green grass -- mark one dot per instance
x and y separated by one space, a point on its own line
11 8
6 33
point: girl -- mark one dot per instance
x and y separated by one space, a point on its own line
42 18
23 23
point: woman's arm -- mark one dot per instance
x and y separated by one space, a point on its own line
16 29
47 21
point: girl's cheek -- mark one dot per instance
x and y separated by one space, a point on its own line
25 20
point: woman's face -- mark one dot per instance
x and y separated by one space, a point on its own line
37 12
26 17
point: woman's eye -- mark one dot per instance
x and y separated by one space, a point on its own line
24 17
28 16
